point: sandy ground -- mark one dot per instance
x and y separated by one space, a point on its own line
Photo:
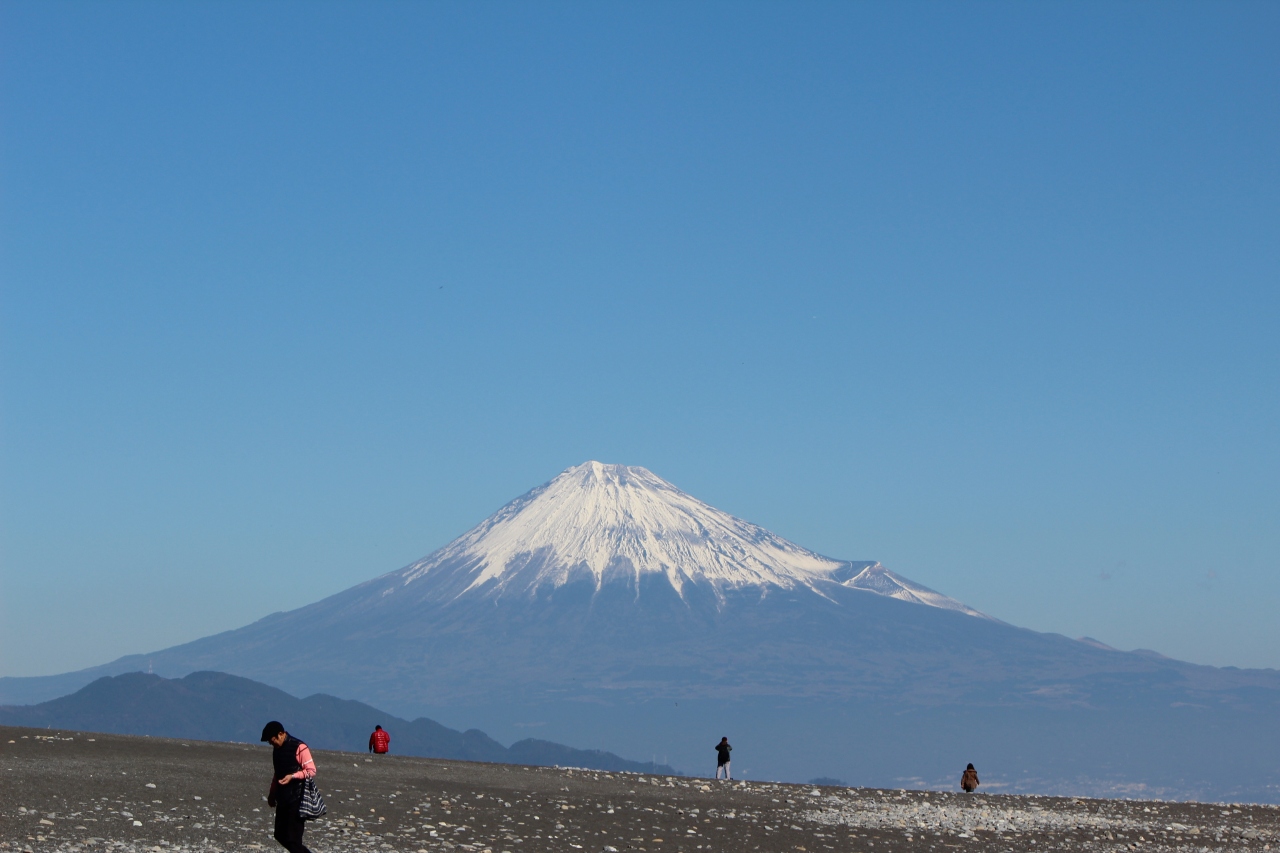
70 791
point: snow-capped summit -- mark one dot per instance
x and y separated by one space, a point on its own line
619 523
610 522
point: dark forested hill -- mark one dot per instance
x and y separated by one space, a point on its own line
216 706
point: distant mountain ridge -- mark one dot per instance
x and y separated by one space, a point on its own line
219 707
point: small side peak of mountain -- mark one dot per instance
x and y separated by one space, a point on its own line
876 578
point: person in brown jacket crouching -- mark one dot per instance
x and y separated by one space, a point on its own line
969 780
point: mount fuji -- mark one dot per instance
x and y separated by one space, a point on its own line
607 525
609 609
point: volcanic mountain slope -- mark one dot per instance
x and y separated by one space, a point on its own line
603 600
610 578
606 577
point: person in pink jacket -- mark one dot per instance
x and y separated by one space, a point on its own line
291 763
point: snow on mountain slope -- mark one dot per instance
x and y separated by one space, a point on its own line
880 580
617 522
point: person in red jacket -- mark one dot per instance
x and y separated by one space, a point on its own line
379 741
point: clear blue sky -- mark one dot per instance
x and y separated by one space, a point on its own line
293 294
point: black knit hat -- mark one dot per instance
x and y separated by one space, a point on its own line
270 730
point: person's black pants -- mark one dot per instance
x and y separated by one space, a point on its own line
289 828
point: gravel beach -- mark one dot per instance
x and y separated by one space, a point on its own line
73 791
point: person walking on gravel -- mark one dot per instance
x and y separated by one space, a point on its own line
722 758
292 762
969 780
379 741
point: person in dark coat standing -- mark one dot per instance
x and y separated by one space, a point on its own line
379 741
969 780
722 758
291 762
